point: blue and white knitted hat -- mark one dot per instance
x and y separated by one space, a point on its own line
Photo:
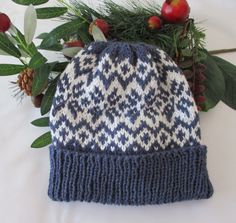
125 129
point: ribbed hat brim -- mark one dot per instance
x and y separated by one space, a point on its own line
156 178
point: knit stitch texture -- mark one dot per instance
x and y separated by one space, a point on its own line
125 129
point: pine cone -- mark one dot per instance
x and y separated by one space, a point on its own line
25 80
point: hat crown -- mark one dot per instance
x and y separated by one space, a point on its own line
121 97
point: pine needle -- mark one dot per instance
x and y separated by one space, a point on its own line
129 23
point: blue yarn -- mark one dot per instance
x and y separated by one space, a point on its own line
125 129
153 178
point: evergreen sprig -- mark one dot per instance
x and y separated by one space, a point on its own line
184 42
129 23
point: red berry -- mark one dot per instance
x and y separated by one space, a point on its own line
199 88
175 11
200 77
200 99
188 74
199 108
201 68
190 83
101 24
37 100
5 22
74 43
154 22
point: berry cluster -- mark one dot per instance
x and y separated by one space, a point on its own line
172 11
196 80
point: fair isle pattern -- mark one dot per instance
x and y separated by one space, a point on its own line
121 97
125 130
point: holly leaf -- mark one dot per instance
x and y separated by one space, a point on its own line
42 141
40 80
41 122
30 23
214 83
7 46
10 69
48 97
28 2
50 12
37 61
61 31
229 72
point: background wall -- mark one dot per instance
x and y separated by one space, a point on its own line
24 171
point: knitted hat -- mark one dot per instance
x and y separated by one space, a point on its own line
125 129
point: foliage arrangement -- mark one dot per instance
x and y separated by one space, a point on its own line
169 27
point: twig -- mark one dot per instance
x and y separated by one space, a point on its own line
222 51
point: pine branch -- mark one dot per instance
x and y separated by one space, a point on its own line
220 51
129 23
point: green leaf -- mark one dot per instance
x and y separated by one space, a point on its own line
98 34
60 67
186 64
12 30
41 122
28 2
201 56
30 49
3 53
11 38
7 46
25 49
83 34
42 36
60 32
214 83
48 98
93 17
30 23
50 12
42 141
71 51
184 43
37 61
229 72
48 42
10 69
187 53
54 47
40 80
